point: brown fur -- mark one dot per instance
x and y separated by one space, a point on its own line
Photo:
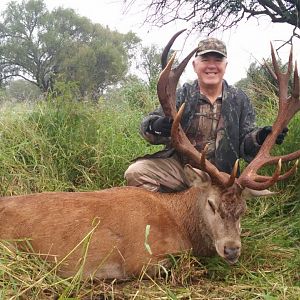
232 204
118 220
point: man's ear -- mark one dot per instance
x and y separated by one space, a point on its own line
193 63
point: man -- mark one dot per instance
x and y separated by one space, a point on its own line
216 114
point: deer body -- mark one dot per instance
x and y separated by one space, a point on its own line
56 222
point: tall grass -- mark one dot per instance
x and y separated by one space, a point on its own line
64 145
67 146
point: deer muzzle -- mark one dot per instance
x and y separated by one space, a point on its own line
230 250
232 254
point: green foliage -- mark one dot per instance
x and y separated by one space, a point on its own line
136 94
3 96
150 64
22 90
64 144
99 64
39 45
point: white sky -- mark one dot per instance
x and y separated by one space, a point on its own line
245 44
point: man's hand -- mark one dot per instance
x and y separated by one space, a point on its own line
263 133
161 126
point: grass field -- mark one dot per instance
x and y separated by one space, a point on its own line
62 145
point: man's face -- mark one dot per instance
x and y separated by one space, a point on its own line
210 68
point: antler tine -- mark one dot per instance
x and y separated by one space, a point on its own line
203 157
291 171
168 79
275 63
173 78
288 107
182 144
272 73
166 97
233 174
180 68
260 185
164 56
296 86
229 180
282 78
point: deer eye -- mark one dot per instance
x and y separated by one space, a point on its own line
212 205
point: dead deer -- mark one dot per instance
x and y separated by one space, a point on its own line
115 233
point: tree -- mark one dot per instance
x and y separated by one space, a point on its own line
19 40
150 64
211 15
39 46
136 93
102 62
21 90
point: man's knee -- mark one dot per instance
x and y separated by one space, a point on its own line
139 174
128 173
133 173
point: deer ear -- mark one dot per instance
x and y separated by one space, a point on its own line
196 177
248 193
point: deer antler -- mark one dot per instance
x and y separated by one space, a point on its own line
166 90
288 107
168 79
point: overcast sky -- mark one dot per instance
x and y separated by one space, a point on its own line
248 43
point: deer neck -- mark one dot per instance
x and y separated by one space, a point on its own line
188 208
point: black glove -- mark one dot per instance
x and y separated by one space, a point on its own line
263 133
161 126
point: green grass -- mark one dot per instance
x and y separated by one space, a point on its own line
67 145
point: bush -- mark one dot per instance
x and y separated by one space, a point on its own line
136 94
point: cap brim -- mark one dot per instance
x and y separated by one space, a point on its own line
210 51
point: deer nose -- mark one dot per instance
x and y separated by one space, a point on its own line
232 253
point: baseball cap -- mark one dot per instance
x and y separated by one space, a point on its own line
211 45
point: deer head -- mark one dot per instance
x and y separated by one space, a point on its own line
230 203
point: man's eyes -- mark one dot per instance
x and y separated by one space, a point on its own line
215 60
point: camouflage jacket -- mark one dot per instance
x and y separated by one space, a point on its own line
236 132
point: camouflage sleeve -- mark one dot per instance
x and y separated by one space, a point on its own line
151 117
248 130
